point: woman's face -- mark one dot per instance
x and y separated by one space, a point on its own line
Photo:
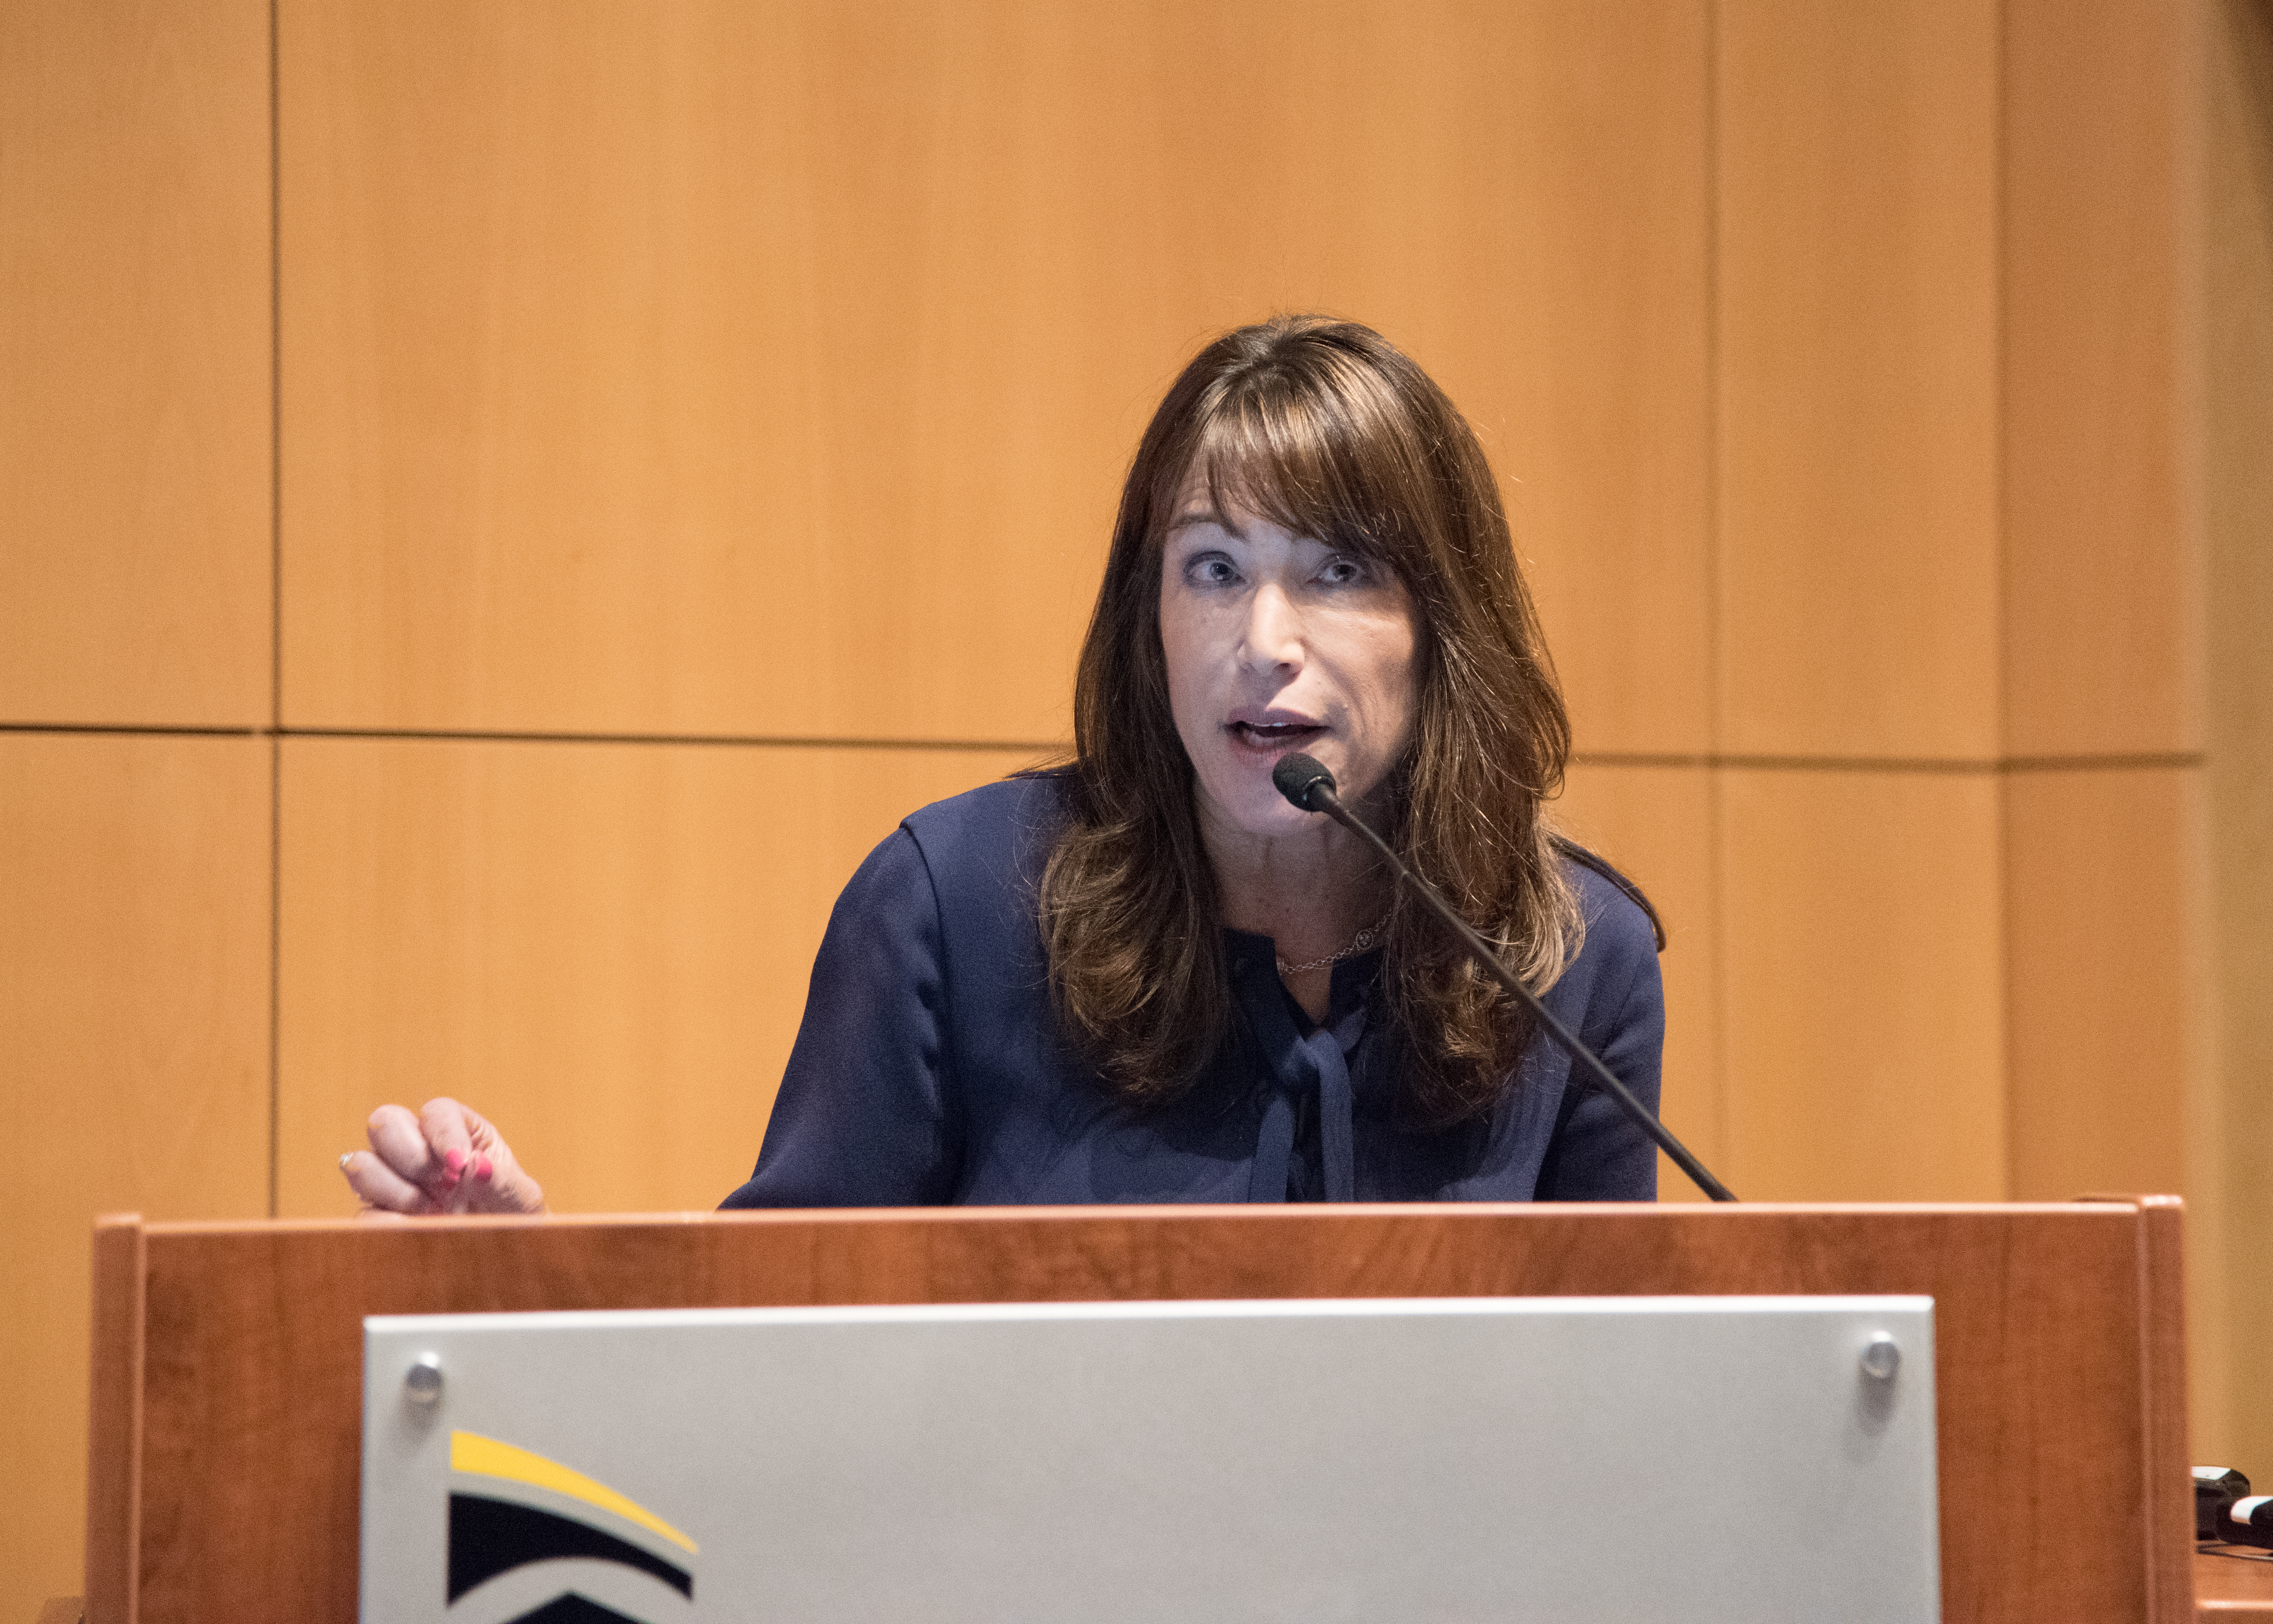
1277 643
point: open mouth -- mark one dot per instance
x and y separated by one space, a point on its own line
1273 735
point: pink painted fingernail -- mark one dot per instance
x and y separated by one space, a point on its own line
455 1161
482 1168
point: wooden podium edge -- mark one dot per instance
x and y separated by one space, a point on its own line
2170 1455
1260 1214
114 1451
2167 1496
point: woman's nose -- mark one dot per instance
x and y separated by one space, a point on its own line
1274 631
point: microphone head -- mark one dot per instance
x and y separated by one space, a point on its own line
1299 778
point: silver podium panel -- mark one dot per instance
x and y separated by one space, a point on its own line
1561 1459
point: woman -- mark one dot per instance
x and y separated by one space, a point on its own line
1148 977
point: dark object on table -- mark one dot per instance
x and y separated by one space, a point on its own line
2216 1488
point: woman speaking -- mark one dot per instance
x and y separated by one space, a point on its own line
1147 977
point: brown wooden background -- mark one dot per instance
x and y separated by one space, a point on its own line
501 504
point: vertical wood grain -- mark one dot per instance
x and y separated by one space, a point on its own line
134 1020
1863 941
603 947
2103 605
1856 377
1597 404
2238 276
2100 964
699 368
1656 825
134 363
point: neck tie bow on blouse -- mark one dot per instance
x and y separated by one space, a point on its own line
1313 1065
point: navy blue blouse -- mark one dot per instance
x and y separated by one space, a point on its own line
931 1068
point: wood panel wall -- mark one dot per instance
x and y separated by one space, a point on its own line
2228 1153
501 507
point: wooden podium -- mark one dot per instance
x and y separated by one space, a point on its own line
228 1380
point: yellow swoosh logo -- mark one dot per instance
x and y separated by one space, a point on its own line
488 1457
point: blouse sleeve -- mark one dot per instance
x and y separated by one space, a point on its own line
863 1117
1597 1154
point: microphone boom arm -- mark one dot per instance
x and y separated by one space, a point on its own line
1318 794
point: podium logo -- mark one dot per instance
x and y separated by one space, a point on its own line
510 1507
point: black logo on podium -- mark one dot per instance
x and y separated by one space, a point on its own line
510 1507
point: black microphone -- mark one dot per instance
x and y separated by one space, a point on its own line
1302 780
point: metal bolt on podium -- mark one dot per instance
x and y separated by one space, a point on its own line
422 1383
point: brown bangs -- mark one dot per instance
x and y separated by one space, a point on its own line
1305 452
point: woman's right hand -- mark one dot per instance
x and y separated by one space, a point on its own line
447 1159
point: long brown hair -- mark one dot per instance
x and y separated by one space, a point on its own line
1325 429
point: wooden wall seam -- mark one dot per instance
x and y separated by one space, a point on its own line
275 965
276 594
1962 765
603 947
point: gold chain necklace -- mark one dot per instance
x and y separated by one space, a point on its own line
1358 943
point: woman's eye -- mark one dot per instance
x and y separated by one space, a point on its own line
1211 569
1342 572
